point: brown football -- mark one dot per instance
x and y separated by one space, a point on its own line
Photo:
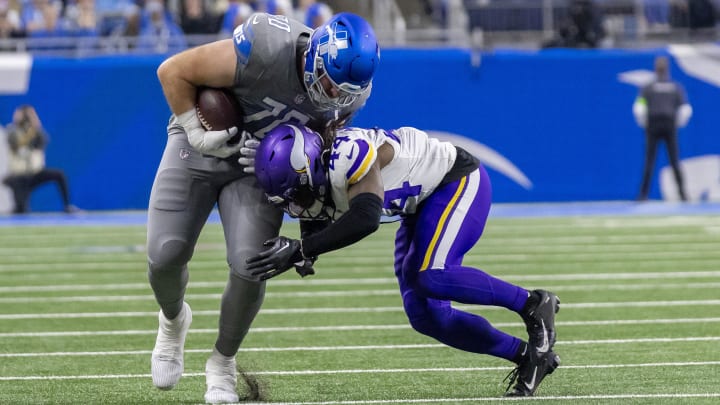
218 109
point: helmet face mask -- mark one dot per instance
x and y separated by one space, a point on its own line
340 61
289 168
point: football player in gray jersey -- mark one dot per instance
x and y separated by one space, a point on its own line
280 71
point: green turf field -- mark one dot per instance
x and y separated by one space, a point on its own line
639 321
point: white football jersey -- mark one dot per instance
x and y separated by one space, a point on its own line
418 166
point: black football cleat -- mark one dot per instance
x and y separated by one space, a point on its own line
539 317
528 375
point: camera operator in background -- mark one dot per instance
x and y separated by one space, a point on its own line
27 141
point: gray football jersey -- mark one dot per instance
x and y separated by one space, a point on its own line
267 83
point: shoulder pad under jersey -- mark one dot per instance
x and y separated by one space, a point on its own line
350 159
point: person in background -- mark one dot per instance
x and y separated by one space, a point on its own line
27 141
9 22
236 14
317 14
158 30
196 18
661 108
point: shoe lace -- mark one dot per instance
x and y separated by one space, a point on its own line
511 378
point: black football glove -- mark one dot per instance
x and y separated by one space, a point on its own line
305 267
283 254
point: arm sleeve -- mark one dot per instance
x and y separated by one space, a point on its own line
362 219
310 227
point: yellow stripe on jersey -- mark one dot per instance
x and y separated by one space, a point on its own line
441 224
364 166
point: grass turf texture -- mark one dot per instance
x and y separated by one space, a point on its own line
639 322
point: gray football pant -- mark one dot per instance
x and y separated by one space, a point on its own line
187 186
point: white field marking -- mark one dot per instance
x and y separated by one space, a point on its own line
365 347
198 284
337 310
340 328
491 399
374 281
345 293
362 371
562 241
486 399
380 259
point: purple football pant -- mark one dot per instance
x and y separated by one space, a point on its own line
429 248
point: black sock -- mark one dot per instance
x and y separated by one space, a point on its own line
520 354
531 302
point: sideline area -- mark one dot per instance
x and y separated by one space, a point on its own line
607 208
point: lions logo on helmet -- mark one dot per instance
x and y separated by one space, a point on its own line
345 51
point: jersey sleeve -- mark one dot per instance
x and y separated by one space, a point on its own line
243 37
351 159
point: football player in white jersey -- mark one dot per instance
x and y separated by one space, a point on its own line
279 71
442 195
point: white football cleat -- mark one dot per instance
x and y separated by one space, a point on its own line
167 361
221 379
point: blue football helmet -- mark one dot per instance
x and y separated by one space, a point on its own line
346 52
289 168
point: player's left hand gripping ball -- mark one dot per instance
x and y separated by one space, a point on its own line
283 253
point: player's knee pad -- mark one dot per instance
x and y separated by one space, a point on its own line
169 255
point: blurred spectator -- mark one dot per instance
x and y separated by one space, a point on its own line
27 141
317 14
701 14
81 18
281 7
437 10
40 18
9 22
114 16
583 27
657 13
158 31
195 18
237 12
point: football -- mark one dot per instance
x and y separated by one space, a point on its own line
218 109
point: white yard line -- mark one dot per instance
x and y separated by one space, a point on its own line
499 399
344 293
361 371
372 281
364 347
338 310
285 329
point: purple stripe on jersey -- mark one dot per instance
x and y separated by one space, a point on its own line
391 135
364 148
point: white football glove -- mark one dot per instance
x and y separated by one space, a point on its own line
208 142
248 151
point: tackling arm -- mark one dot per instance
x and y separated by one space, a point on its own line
361 219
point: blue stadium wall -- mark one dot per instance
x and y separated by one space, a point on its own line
553 125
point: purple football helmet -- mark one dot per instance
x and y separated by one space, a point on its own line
289 167
345 50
